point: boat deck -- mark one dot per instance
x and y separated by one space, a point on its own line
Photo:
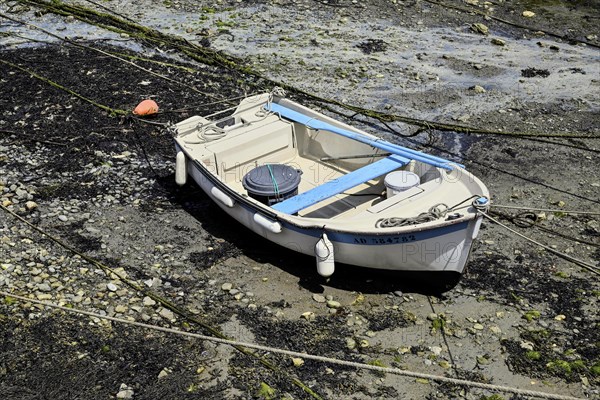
315 173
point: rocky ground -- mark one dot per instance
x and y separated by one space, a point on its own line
103 184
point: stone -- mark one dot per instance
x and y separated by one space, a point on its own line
437 350
478 327
125 392
560 317
111 286
480 28
164 373
120 309
498 42
478 89
63 218
528 14
319 298
432 317
350 343
226 287
297 361
309 316
31 205
526 345
333 304
166 314
44 287
148 301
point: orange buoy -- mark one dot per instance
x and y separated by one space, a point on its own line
146 107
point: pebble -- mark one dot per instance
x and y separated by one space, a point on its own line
350 343
166 314
148 301
309 316
478 89
31 205
44 287
333 304
111 286
480 28
125 392
297 361
226 287
63 218
498 42
319 298
164 373
528 14
478 327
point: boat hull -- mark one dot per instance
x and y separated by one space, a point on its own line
444 248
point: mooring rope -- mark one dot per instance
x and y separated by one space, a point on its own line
553 210
291 353
211 57
593 269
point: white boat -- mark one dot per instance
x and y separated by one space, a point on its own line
320 187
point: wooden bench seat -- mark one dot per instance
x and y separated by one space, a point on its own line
341 184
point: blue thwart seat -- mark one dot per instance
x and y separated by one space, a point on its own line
343 183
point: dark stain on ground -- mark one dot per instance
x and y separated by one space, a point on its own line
84 129
389 319
565 353
77 360
325 336
372 46
533 72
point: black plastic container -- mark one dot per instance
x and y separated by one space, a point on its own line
272 183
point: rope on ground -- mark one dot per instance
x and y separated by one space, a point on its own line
210 57
329 360
166 303
556 210
593 269
528 219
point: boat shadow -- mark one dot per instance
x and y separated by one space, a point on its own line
346 277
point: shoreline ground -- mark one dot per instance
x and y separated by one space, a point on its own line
104 184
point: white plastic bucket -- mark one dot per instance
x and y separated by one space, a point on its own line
399 181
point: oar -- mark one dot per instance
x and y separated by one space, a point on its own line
378 143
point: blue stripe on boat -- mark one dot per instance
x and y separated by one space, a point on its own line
344 182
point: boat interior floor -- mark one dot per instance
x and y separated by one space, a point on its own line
316 173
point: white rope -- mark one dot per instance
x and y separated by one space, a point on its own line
577 261
547 210
329 360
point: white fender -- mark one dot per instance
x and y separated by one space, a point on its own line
222 197
272 226
476 227
325 257
180 168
